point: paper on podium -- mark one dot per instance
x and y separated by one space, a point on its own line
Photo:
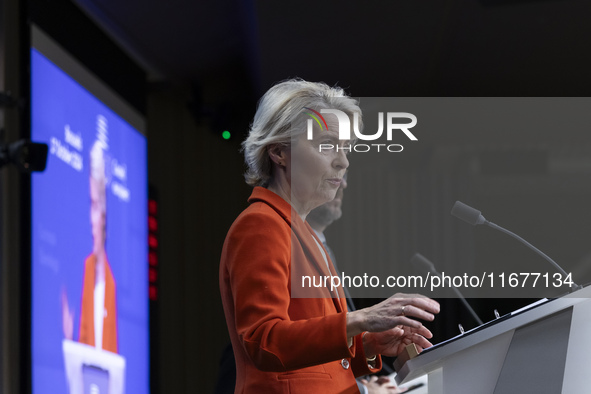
98 368
410 351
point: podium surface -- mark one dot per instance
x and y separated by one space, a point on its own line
542 349
92 370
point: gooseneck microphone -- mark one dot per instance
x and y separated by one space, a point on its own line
467 214
474 217
421 263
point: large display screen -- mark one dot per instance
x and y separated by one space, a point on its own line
90 331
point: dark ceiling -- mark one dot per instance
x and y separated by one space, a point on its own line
374 48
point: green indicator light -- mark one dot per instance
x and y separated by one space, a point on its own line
226 135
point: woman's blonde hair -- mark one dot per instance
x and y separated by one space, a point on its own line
278 121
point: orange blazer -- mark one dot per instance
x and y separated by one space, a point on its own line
284 344
87 315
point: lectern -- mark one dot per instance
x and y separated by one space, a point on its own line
544 348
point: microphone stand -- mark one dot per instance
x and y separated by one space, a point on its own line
574 286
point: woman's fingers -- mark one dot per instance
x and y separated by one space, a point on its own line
420 302
424 332
415 325
411 310
421 341
414 305
400 309
408 322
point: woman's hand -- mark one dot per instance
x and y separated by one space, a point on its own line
381 385
393 341
67 317
394 318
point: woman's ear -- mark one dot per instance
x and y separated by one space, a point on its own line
277 154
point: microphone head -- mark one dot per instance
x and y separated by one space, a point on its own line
423 264
467 213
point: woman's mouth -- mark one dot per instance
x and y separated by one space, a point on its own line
335 181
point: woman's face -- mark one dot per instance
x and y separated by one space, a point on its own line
316 174
98 213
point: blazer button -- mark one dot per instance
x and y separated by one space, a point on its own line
345 363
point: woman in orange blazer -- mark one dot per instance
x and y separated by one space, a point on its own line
288 338
87 326
97 271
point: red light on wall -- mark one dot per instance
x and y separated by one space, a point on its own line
153 246
153 292
152 224
153 241
153 258
152 207
152 275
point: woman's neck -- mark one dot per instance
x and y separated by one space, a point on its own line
100 265
283 190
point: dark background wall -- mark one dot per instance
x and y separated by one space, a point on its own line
197 68
201 189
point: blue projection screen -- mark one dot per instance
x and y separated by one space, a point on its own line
90 322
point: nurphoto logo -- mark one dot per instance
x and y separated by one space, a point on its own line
345 129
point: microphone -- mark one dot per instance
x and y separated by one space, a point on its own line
474 217
467 213
423 264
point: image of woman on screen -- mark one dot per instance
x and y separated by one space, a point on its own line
287 338
98 320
